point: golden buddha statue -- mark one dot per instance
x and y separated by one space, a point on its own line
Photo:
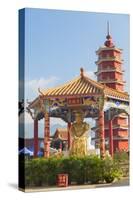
78 133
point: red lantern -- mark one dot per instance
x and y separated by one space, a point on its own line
62 180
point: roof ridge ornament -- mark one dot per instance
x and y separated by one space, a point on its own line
82 72
39 90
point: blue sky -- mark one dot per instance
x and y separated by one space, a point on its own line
58 43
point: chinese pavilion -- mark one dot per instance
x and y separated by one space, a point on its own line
104 100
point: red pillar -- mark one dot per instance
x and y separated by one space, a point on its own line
111 148
101 134
35 137
69 136
61 145
47 135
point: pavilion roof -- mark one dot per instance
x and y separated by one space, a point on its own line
83 85
61 133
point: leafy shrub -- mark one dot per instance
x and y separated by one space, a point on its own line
80 170
122 160
73 166
95 171
111 170
121 156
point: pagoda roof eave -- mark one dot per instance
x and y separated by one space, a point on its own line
104 48
112 93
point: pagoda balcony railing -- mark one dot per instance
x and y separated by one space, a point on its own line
123 116
108 69
96 139
115 126
123 126
120 138
109 80
109 58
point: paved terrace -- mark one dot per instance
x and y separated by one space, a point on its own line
122 182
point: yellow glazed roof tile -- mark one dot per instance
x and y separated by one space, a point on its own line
83 85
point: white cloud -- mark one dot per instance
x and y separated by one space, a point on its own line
28 119
91 75
42 83
54 121
90 121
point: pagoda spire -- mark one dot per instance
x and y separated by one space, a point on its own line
108 28
108 42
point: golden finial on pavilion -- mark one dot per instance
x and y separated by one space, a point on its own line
82 72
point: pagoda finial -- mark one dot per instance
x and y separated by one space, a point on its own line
108 42
108 28
108 31
82 72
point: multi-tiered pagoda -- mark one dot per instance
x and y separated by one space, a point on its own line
110 73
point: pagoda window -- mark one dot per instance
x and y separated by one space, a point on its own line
107 77
112 75
108 55
109 67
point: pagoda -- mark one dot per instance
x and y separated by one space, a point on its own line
110 73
